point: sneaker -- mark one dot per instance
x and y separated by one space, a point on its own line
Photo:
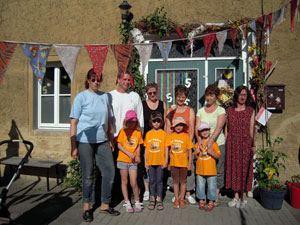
233 203
176 204
182 203
87 216
138 206
146 196
190 199
241 204
128 207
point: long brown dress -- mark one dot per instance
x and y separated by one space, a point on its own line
239 156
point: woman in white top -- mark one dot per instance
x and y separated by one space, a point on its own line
215 116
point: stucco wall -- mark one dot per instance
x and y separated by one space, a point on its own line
94 21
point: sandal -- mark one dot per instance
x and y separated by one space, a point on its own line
201 205
210 206
151 205
160 205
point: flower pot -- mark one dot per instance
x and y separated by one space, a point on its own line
295 195
270 199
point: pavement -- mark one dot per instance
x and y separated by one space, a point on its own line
29 203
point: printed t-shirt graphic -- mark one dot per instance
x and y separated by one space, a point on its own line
180 145
155 143
130 139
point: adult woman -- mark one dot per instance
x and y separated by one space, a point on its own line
182 110
150 105
215 116
90 134
240 146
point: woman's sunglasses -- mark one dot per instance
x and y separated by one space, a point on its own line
152 93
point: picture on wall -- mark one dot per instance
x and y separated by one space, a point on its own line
225 77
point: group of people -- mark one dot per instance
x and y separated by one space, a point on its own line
146 136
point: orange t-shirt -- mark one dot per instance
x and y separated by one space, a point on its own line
155 143
130 139
206 165
180 145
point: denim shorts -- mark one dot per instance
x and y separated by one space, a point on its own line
126 166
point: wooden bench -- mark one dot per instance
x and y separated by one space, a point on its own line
36 163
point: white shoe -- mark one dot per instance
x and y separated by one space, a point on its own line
128 207
241 204
146 196
190 199
173 199
233 203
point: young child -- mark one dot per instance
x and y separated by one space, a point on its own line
206 168
156 158
180 159
129 140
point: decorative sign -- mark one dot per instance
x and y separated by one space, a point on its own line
167 80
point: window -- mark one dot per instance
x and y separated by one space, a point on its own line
54 98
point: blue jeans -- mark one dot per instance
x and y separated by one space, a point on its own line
104 159
211 187
156 180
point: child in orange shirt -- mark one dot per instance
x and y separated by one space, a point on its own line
180 159
129 140
156 158
206 168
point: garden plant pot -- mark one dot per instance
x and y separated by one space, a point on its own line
295 195
270 199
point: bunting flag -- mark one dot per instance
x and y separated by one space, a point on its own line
208 41
68 56
253 27
191 46
145 53
7 50
178 30
97 54
221 38
233 33
165 48
38 54
293 12
122 54
276 18
283 14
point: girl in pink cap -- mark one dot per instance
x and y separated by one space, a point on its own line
129 140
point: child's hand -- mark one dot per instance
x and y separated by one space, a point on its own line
165 165
146 166
189 167
169 167
137 159
131 155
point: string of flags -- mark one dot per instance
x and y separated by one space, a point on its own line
68 54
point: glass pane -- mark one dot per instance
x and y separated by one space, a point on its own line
64 109
48 81
47 109
65 82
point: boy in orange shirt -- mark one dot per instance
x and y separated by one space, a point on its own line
206 168
156 158
180 158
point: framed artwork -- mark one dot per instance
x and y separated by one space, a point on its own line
225 77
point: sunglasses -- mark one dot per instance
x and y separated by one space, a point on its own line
94 80
156 121
152 93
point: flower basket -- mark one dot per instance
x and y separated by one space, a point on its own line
294 187
271 200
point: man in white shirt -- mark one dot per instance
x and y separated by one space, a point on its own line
123 100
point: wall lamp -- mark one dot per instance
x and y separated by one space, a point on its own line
126 15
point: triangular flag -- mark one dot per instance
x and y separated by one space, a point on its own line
276 18
293 12
68 56
283 14
165 48
221 37
97 54
233 33
145 53
7 50
208 41
178 30
122 54
191 46
253 27
270 20
38 54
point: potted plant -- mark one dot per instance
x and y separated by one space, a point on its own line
294 187
270 162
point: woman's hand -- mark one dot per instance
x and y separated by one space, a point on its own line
112 145
253 149
209 143
74 153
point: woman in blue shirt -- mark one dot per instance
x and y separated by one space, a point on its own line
91 137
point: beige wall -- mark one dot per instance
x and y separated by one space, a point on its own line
94 21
